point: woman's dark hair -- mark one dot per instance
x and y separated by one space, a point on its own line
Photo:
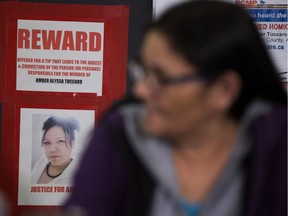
69 125
215 37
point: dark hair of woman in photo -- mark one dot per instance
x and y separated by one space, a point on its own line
209 135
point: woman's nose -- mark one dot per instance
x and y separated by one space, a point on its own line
54 146
142 90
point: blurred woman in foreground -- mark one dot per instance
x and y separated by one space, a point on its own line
209 135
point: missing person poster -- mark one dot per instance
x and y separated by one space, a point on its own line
271 19
60 56
51 143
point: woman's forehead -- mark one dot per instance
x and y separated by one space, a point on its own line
157 52
55 129
154 44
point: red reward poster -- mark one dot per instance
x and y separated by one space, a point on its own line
59 64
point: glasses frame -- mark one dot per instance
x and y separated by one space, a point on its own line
166 81
160 81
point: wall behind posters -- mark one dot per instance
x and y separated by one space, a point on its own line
159 6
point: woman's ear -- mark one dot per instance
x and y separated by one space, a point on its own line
226 90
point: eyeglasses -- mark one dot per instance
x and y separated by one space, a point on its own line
156 78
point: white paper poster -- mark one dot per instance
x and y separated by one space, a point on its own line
50 139
271 19
60 56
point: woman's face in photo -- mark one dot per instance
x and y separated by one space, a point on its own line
56 146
